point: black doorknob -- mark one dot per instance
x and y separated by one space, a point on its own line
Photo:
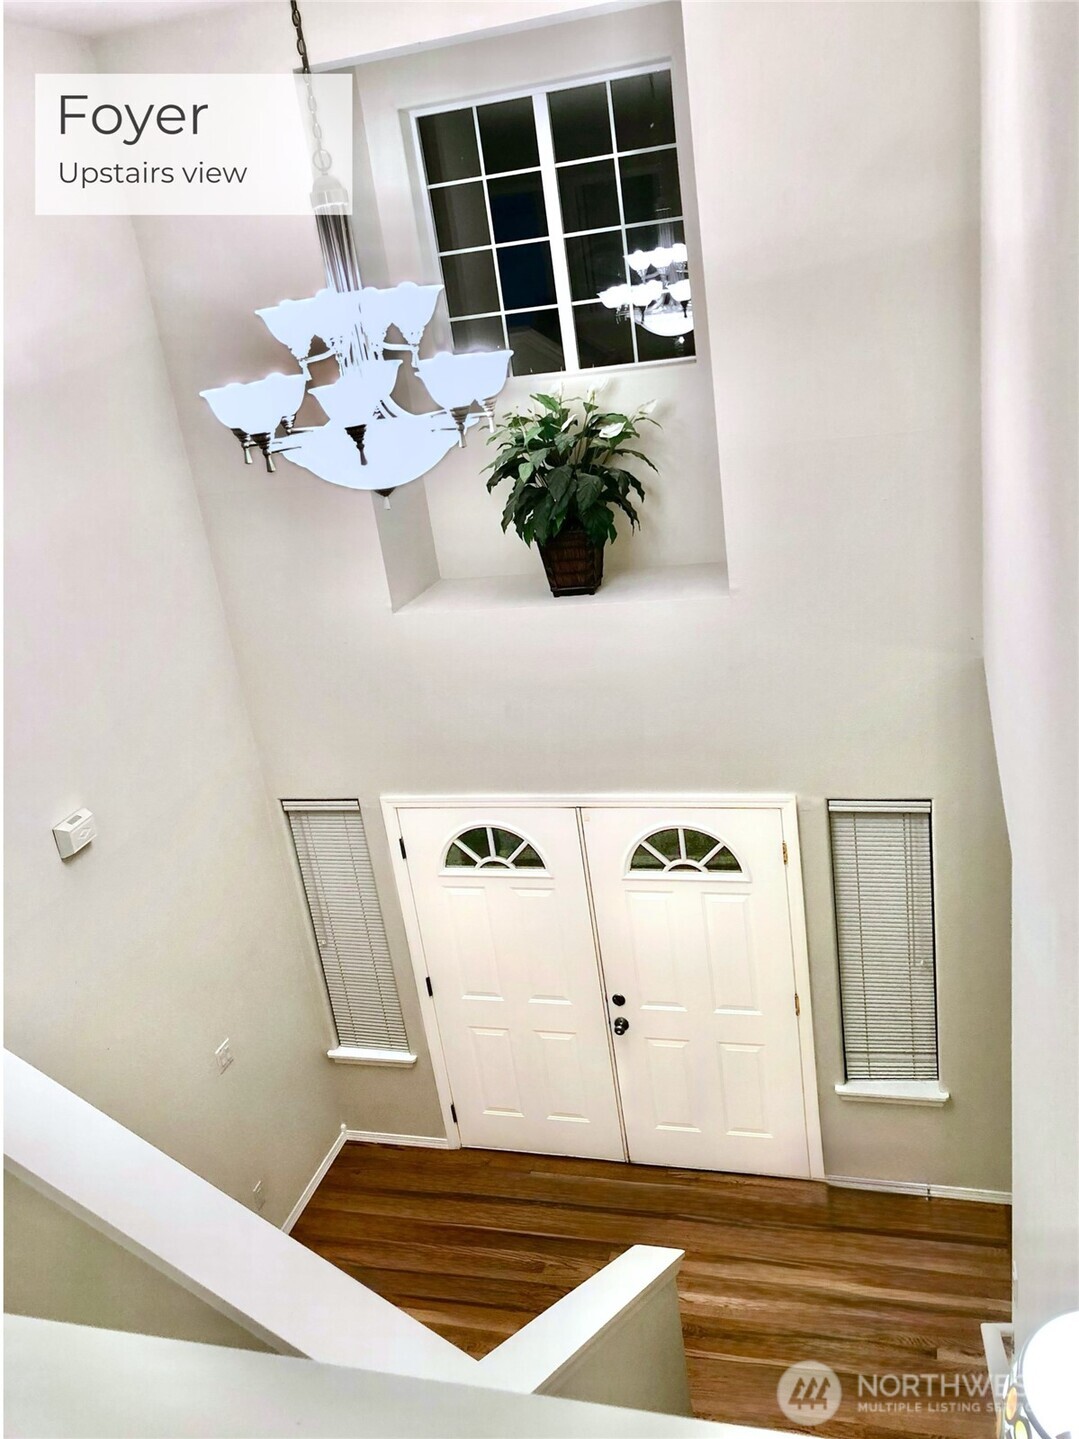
618 999
620 1025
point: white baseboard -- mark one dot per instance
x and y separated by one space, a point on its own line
371 1136
315 1180
927 1191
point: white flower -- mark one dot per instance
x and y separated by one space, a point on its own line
608 432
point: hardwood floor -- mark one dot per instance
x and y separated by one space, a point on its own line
475 1243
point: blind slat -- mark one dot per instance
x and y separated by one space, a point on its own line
882 875
338 879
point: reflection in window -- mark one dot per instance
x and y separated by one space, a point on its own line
489 847
604 157
680 849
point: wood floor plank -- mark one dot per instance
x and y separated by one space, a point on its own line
474 1243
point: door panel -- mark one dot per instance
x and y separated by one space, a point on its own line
517 991
709 1069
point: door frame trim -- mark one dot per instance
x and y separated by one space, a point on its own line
786 804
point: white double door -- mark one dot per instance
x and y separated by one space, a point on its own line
613 982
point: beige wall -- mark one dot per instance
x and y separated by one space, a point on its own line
177 927
1031 429
837 185
57 1267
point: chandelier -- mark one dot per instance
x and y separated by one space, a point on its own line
368 441
660 300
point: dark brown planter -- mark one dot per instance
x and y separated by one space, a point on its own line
573 563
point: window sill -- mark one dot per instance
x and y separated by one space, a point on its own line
894 1091
399 1057
695 583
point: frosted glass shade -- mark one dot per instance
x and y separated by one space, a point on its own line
456 381
395 451
616 297
354 398
679 291
338 318
411 307
293 323
376 314
259 407
646 294
668 321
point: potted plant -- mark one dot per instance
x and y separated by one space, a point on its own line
563 459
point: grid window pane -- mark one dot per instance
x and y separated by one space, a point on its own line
460 213
517 208
602 338
595 262
527 276
616 169
508 136
643 111
659 347
449 146
589 196
470 283
649 237
483 334
580 122
536 342
650 186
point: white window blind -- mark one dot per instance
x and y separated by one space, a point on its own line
335 865
882 869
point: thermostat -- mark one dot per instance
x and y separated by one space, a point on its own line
74 833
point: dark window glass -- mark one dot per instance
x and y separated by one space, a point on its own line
484 334
648 237
595 262
536 342
508 136
517 208
698 844
589 196
470 283
460 213
657 347
580 122
643 113
526 275
602 338
650 186
449 146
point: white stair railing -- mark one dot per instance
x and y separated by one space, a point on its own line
622 1321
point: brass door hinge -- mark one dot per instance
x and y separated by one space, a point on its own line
785 855
797 1006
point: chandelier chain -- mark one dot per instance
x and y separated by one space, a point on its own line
320 158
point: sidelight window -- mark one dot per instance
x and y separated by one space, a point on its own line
882 872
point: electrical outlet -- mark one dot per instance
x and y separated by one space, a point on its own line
258 1197
223 1055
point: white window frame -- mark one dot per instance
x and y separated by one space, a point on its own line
556 234
343 1053
929 1092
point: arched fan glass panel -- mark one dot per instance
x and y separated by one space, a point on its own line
489 847
677 849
